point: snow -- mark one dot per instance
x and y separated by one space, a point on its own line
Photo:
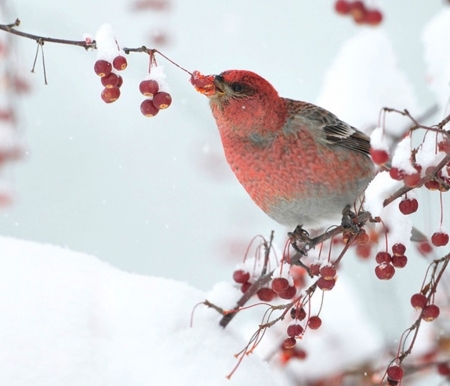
107 46
157 73
366 77
378 140
70 319
402 156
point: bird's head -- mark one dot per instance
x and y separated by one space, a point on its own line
242 96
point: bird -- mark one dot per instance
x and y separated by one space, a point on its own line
299 163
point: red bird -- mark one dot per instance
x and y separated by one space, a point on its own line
298 162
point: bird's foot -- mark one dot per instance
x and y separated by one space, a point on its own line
348 223
301 243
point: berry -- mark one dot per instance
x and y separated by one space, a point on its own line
444 146
149 87
290 292
240 276
162 100
439 239
395 373
419 301
120 81
111 94
314 322
384 271
266 294
411 180
120 63
425 247
408 205
430 312
298 313
358 11
362 237
314 269
379 157
294 329
203 84
102 67
432 185
363 251
342 7
443 369
148 108
373 17
110 80
289 343
399 261
325 284
245 287
398 249
383 257
397 174
280 284
328 272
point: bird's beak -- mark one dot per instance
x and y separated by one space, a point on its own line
219 83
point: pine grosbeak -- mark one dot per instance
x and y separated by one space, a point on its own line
298 162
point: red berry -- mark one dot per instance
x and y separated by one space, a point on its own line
408 205
120 81
379 157
364 251
398 249
432 185
102 67
358 11
395 373
342 7
149 87
298 313
397 174
425 247
443 369
325 284
439 239
444 146
289 343
240 276
111 94
162 100
266 294
314 269
362 237
289 293
384 271
110 80
280 284
148 108
314 322
411 180
294 330
383 257
399 261
245 287
373 17
419 301
120 63
328 272
430 312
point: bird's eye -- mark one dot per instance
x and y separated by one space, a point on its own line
237 87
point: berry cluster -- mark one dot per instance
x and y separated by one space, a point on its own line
282 285
387 262
429 312
359 12
156 98
109 77
326 273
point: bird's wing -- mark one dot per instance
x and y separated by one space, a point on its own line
328 128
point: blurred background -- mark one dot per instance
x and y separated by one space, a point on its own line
155 196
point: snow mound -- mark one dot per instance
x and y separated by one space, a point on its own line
70 319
